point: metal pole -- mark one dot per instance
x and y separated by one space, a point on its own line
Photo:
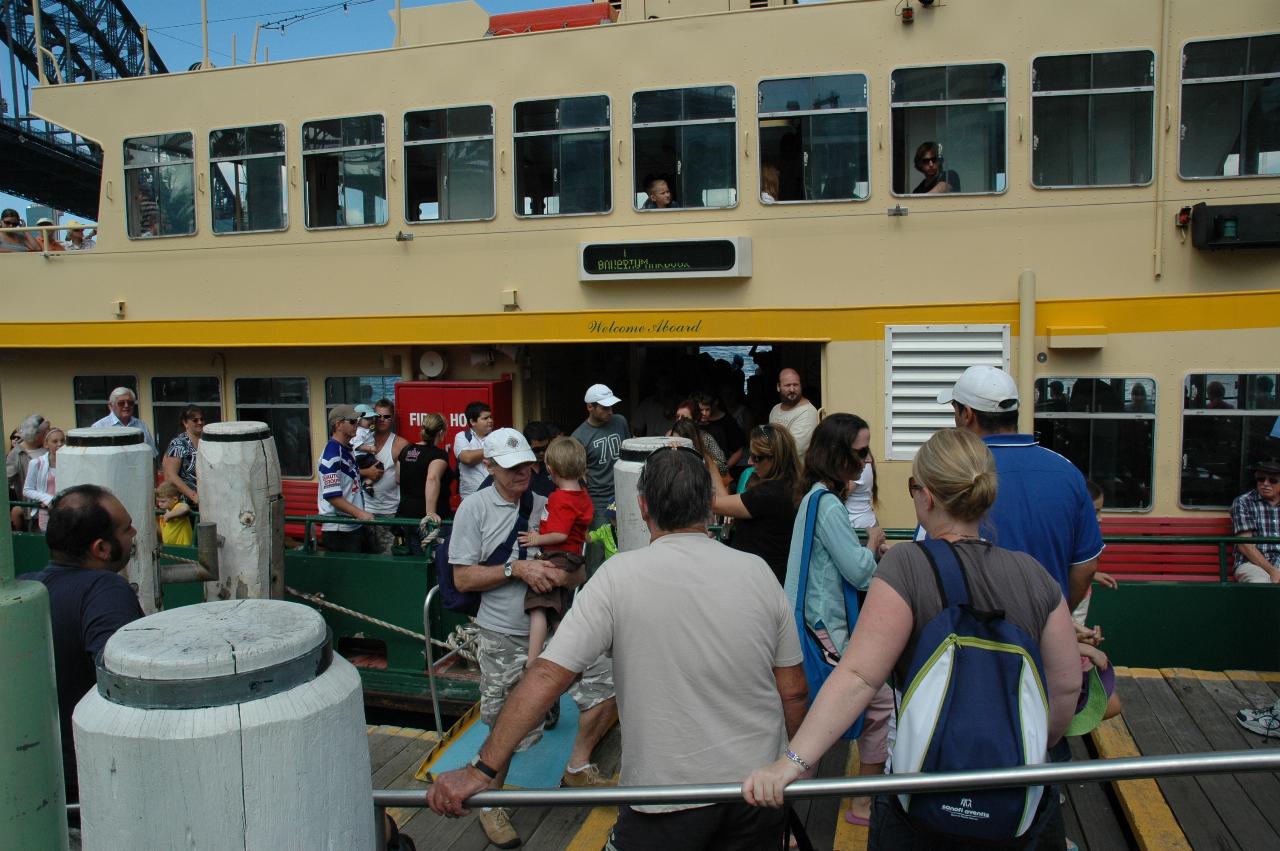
204 30
257 28
1026 349
35 13
13 62
399 26
233 50
146 53
1230 762
32 796
431 673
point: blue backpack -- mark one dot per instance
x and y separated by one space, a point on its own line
468 602
974 699
819 662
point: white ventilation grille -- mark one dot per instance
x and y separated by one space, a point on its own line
920 362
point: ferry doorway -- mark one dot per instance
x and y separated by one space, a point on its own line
744 374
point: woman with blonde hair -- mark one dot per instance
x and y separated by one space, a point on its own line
765 511
41 483
953 485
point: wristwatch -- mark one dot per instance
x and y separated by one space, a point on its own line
479 765
506 568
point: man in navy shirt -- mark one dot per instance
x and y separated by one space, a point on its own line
1042 505
90 537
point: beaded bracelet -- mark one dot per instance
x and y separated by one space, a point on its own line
798 760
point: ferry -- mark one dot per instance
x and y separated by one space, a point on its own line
877 193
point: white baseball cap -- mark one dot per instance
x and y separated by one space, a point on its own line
600 394
983 388
366 411
508 447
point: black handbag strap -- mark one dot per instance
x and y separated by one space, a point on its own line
503 551
795 827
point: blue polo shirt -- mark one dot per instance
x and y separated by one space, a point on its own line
1042 506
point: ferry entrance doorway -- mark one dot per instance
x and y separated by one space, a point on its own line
744 374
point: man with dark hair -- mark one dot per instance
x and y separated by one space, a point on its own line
1257 513
692 624
90 537
602 433
1042 505
468 448
540 434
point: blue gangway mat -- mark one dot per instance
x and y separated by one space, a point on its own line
540 767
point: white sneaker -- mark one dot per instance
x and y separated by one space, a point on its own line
1264 722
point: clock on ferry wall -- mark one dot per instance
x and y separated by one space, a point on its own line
726 257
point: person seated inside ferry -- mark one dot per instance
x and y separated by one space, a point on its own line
928 161
770 183
11 240
659 192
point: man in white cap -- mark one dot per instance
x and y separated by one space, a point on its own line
487 558
602 434
1042 505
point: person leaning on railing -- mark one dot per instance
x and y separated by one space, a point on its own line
953 484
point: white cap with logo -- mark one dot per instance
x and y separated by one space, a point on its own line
983 388
600 394
508 447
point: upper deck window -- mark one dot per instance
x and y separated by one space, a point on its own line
949 129
1092 119
813 139
448 164
562 156
159 181
345 161
685 150
1231 107
247 172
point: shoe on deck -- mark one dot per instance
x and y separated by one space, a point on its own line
589 776
497 826
1264 722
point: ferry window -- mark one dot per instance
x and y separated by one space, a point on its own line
1106 427
1092 119
1231 107
358 390
562 156
247 173
448 164
159 180
91 393
813 139
283 404
949 129
1229 421
345 164
170 396
684 138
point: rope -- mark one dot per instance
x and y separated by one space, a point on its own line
319 600
170 557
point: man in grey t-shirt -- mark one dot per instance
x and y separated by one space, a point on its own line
692 625
602 434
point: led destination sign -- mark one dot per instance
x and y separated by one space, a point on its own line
683 258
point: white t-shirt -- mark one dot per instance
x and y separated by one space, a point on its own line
858 503
363 437
695 629
800 421
469 475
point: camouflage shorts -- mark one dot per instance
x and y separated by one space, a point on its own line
384 537
502 659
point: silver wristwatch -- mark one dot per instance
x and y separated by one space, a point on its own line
506 568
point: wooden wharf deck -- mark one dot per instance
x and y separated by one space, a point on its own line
1165 712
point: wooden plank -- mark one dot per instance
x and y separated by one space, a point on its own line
1256 690
1150 819
1223 791
1224 734
558 828
595 830
385 742
1099 822
407 758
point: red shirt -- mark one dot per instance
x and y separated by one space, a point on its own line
570 513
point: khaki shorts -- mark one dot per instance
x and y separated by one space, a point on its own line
502 659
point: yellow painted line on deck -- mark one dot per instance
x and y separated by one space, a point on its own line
1144 673
1255 676
1212 676
595 830
1152 821
849 837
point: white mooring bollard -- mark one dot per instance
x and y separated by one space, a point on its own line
238 472
226 726
117 459
633 532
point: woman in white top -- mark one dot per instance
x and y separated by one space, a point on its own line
41 475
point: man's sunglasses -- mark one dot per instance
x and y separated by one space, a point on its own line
927 160
1271 480
383 416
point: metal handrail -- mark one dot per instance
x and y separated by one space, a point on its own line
431 669
1229 762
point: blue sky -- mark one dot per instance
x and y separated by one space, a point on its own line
174 26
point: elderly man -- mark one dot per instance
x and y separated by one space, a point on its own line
1256 513
602 433
483 551
90 536
384 498
1043 507
123 403
794 412
691 624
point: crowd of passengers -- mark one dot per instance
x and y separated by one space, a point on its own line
738 662
76 239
